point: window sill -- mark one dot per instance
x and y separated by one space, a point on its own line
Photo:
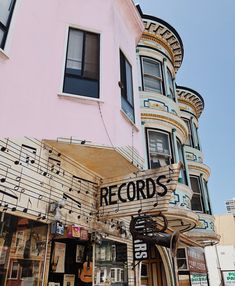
79 97
3 55
129 120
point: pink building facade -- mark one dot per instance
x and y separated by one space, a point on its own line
33 63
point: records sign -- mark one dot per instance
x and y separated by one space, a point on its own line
148 191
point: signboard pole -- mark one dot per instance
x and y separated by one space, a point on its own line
219 267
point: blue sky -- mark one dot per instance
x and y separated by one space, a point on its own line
207 29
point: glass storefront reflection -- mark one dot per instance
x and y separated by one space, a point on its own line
111 264
22 251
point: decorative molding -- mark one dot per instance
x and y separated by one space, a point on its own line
175 123
191 98
202 168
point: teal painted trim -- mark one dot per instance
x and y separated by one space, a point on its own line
186 168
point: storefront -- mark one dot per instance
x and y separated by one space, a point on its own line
23 244
62 226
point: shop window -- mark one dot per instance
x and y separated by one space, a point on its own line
6 10
181 259
126 85
171 84
159 148
110 263
152 75
23 249
197 200
71 262
82 64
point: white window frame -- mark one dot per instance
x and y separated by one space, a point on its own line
186 259
159 154
200 195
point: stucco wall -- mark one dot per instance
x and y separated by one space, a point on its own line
32 77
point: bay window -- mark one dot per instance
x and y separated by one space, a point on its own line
6 10
82 64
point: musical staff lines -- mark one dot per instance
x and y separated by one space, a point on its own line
33 175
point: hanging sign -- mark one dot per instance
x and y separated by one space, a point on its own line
147 191
196 260
229 278
199 279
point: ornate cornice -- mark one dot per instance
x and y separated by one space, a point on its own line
161 41
161 32
192 98
187 102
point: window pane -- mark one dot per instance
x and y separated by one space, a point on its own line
196 203
181 158
152 75
195 185
1 37
181 253
171 85
5 9
152 84
75 46
127 101
159 149
151 68
189 138
91 60
129 83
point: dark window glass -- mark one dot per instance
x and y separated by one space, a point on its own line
181 158
6 10
196 143
196 202
209 211
82 64
152 75
171 85
189 141
158 148
181 259
126 85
